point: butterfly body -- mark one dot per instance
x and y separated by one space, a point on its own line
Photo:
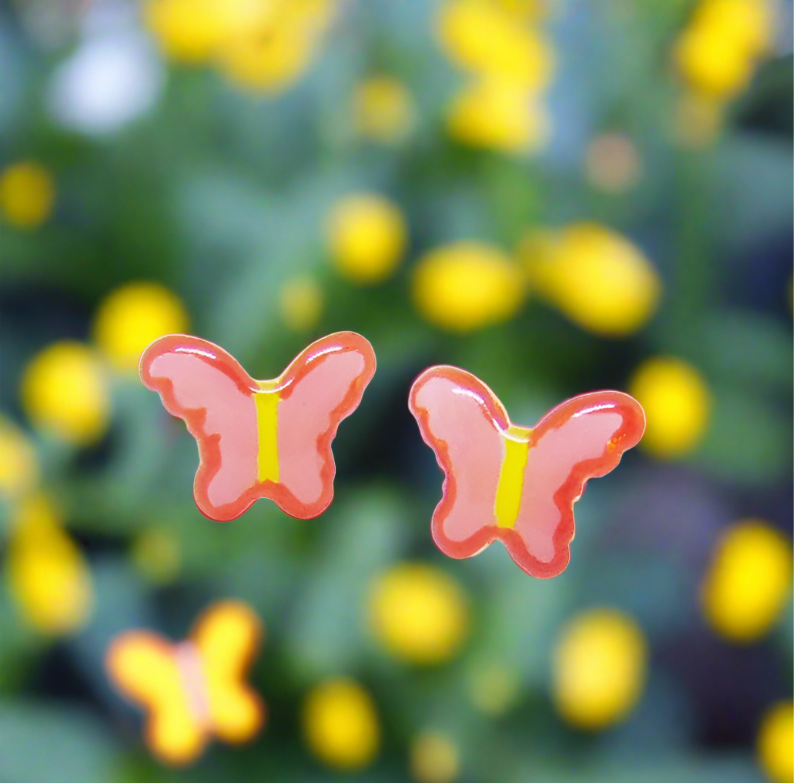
194 690
260 439
510 483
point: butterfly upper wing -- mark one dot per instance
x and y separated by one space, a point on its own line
207 388
580 439
144 667
226 637
460 418
322 386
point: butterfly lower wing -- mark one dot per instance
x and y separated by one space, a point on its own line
206 388
226 637
144 668
581 439
321 387
460 419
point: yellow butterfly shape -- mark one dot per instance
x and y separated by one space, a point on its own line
193 690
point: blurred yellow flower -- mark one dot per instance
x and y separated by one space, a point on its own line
467 285
775 743
27 193
132 316
64 391
712 65
748 582
156 554
47 573
367 235
418 613
383 109
598 278
433 758
677 405
717 51
599 668
526 9
746 23
19 468
300 302
272 61
187 30
481 37
498 113
340 724
261 45
493 689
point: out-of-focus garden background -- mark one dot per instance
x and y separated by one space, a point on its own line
557 196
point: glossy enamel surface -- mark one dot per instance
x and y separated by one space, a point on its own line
261 439
516 484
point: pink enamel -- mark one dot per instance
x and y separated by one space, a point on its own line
475 450
207 388
580 439
307 410
554 455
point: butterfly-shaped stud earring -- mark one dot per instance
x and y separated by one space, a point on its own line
261 439
193 690
511 483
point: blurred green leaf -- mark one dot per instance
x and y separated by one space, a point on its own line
52 744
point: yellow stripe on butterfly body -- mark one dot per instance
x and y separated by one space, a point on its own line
266 401
510 486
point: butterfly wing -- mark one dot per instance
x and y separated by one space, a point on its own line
460 418
580 439
322 386
143 666
206 387
227 636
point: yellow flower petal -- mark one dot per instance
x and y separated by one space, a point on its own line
19 468
418 613
599 668
712 65
482 38
499 114
467 285
47 573
187 30
27 193
748 582
271 62
133 316
776 743
340 724
64 391
677 405
598 278
367 235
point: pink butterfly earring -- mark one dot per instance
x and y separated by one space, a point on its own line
261 439
510 483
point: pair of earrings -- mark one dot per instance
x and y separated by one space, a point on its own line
272 439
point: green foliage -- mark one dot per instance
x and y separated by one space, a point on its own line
221 195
